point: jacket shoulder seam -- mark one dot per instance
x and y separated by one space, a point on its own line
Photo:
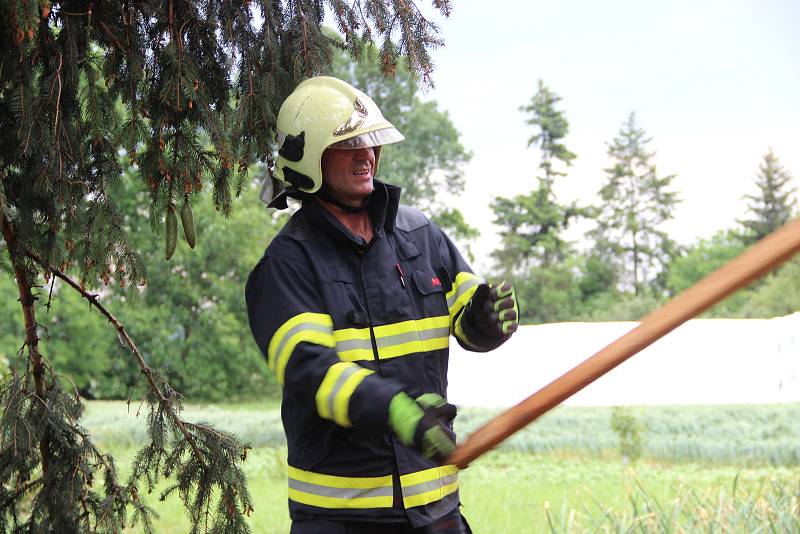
298 229
409 219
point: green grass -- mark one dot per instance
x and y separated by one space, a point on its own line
516 492
117 426
562 474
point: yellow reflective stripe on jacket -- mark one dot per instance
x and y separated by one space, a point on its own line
463 289
408 337
353 344
333 395
394 340
314 328
328 491
428 486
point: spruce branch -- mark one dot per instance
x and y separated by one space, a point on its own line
58 96
111 35
303 24
20 491
123 334
217 469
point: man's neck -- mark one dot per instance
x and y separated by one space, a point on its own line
359 223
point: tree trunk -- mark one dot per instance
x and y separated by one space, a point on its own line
25 278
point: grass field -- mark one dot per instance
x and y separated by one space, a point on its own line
704 469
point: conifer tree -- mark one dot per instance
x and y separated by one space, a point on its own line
636 201
774 204
551 127
532 223
80 81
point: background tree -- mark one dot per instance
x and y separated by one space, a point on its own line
774 204
13 330
549 293
429 164
629 429
532 223
182 70
702 258
597 282
192 308
779 294
533 251
189 319
636 201
550 128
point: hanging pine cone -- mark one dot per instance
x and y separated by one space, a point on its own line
187 220
172 231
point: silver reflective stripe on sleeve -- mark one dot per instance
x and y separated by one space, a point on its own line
433 485
302 327
463 288
430 485
424 335
316 328
340 493
337 387
337 492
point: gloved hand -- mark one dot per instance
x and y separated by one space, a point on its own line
421 424
494 310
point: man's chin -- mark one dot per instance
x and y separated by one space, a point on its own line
363 191
354 196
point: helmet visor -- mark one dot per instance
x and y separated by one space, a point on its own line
376 138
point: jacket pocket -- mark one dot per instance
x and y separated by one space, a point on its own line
430 293
341 293
427 282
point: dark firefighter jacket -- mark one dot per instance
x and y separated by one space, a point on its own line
345 326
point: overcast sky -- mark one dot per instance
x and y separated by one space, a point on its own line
714 83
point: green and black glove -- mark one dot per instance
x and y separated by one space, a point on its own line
494 310
421 424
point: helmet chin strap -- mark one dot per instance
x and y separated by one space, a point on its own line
327 195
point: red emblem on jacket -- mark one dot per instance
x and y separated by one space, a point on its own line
436 282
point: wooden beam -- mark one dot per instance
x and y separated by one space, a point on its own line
760 259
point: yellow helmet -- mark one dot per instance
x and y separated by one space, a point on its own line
321 113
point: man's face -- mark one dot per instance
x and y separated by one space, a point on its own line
348 173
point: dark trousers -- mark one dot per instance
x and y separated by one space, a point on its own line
452 523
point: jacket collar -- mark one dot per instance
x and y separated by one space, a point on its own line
382 210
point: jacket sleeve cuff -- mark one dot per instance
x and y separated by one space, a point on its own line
370 403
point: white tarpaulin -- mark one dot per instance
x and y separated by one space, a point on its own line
704 361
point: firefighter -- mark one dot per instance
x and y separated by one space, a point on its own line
353 305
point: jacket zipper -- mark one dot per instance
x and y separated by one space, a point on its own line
397 489
369 314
